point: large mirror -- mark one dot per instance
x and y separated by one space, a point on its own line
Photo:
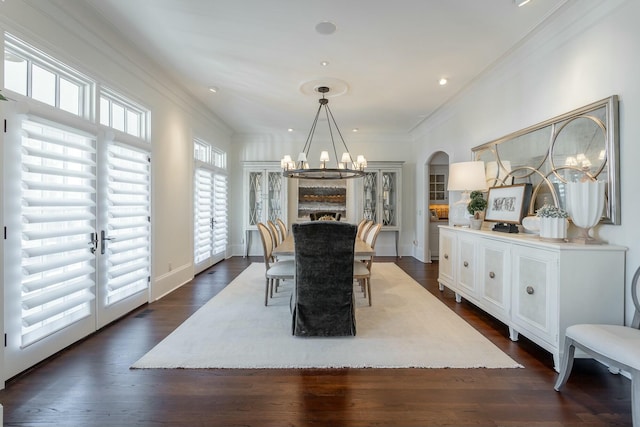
576 146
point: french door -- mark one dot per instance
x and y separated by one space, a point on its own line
210 217
77 235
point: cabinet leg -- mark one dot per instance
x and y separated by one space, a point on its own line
247 242
440 287
513 334
458 297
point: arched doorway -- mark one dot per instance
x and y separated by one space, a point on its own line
437 200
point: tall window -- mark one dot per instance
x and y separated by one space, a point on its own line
210 205
77 207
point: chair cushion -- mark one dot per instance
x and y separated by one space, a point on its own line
620 343
282 268
360 269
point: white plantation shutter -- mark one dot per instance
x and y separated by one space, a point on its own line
203 229
57 214
127 222
220 226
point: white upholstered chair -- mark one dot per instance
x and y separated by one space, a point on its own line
615 345
362 266
274 271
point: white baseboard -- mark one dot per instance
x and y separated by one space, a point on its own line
170 281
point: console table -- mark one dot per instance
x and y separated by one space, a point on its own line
536 288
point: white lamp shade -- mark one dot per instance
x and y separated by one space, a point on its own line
585 202
324 156
302 157
467 176
346 158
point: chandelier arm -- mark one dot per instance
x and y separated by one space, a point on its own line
340 134
307 144
327 111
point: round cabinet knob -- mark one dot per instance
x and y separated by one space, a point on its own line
492 274
530 290
466 264
446 256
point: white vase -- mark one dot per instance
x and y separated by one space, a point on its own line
553 228
585 204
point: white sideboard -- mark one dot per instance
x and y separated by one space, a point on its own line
536 288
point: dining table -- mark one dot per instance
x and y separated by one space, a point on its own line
287 248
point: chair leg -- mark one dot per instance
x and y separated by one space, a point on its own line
566 365
635 398
266 293
368 283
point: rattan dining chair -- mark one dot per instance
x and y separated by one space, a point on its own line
362 266
282 227
274 270
275 234
362 232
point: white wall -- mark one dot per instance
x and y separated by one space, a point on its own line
62 29
585 54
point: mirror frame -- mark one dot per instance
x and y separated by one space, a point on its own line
610 128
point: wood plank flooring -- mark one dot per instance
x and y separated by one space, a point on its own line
90 384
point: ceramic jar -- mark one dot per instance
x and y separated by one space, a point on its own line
553 228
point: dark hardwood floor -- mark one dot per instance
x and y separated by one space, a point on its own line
90 383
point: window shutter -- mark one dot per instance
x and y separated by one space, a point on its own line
203 236
58 216
220 214
128 213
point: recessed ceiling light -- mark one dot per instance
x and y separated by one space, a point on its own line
443 81
290 130
355 129
325 27
521 3
213 89
324 63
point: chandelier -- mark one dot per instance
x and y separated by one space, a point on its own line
347 167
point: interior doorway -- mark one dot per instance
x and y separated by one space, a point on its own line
437 200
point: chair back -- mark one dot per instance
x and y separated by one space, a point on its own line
372 235
267 244
635 285
275 234
283 228
365 229
324 304
325 216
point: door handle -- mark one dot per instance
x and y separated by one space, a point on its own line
93 242
103 241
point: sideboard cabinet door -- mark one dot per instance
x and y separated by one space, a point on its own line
535 293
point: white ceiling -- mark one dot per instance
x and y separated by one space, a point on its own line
264 55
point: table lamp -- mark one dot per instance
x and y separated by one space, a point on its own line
465 177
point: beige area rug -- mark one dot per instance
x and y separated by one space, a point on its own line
405 327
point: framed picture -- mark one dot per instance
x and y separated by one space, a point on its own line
508 203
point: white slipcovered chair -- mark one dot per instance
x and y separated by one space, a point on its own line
615 345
